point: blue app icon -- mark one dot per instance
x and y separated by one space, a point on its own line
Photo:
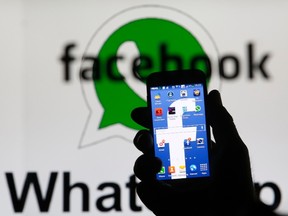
187 142
193 167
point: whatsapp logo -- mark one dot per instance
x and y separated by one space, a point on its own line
124 51
158 45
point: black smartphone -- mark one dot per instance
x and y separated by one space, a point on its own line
177 101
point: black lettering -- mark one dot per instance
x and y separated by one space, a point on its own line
231 74
111 63
67 188
31 179
194 64
132 194
66 58
166 59
139 64
252 66
93 72
116 196
276 191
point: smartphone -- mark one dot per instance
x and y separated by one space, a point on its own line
181 134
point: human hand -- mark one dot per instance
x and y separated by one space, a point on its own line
230 193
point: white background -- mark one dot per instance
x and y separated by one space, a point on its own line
42 117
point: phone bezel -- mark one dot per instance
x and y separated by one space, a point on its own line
175 78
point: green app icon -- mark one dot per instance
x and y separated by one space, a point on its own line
198 108
162 171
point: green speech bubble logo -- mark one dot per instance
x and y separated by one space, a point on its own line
153 37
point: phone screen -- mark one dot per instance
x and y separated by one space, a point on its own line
180 131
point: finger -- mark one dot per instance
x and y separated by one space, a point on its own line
141 115
224 129
156 197
159 198
215 98
230 150
146 167
143 141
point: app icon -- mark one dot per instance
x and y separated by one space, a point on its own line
162 171
197 108
158 111
182 168
157 96
161 144
196 92
184 109
187 142
171 110
200 141
171 169
203 167
200 127
193 167
183 93
170 94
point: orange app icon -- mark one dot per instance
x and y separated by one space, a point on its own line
158 111
171 169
